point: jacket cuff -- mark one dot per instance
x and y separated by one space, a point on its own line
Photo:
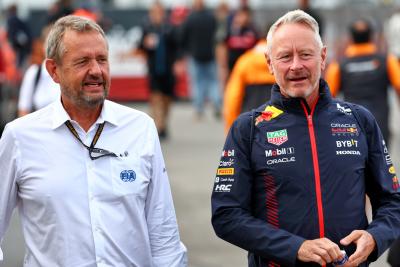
296 243
379 246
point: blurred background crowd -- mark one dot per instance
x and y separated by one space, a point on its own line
209 53
161 51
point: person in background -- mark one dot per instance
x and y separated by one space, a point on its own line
19 35
293 176
222 14
249 84
10 79
392 31
198 39
306 7
2 68
37 88
2 82
59 9
241 35
88 10
87 174
364 74
160 45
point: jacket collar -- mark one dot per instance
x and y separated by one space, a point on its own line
294 104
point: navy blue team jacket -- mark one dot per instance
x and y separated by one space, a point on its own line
289 172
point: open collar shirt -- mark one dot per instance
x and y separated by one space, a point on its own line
113 211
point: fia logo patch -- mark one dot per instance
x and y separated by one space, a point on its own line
128 175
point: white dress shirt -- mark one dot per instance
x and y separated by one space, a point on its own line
46 92
78 212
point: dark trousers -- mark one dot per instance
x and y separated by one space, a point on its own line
394 254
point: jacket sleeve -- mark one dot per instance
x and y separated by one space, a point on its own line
166 247
382 187
232 214
8 186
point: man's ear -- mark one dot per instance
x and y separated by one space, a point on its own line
268 59
51 68
323 58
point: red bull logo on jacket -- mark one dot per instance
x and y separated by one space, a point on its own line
269 113
344 129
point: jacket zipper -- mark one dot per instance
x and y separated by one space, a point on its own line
317 177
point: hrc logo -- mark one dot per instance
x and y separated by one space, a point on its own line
128 176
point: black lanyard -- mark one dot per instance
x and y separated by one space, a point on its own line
94 153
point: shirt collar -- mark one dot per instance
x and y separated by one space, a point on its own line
107 114
60 116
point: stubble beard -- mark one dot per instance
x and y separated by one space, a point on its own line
304 94
307 92
86 101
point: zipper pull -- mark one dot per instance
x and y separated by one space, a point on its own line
309 120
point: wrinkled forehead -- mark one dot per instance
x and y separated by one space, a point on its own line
297 35
90 44
72 36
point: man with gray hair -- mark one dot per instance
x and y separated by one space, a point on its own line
87 174
294 173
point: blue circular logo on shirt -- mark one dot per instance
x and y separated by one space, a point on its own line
128 176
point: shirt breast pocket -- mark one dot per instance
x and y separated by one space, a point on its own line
129 176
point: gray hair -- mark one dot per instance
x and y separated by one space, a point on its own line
295 16
54 43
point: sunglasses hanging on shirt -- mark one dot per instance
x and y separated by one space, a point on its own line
94 152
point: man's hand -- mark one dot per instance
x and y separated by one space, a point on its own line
321 251
365 245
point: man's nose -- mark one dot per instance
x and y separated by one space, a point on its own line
297 63
95 67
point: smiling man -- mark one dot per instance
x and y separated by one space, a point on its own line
87 174
301 165
297 61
